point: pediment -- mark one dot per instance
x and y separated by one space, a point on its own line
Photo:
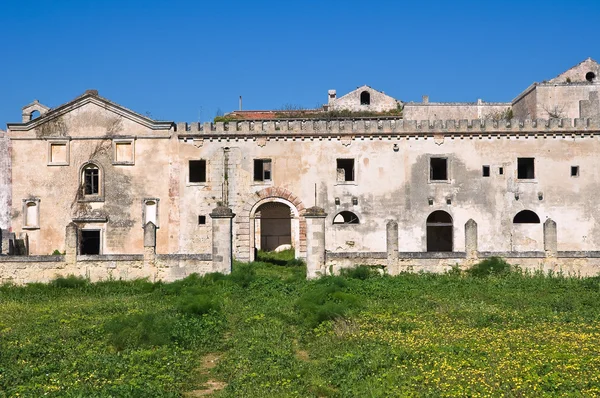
587 71
90 115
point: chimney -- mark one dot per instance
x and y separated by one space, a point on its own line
331 95
425 99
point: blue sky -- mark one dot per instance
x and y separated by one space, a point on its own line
186 60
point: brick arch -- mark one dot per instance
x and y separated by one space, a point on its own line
243 230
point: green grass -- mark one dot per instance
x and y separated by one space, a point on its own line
491 332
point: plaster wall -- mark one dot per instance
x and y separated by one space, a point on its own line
5 179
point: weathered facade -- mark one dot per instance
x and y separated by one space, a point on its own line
97 181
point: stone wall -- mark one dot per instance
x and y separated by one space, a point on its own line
378 101
454 110
5 181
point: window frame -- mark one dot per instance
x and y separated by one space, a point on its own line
263 161
64 143
115 143
189 174
92 197
430 170
354 179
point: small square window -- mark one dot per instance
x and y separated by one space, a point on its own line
262 169
485 171
574 171
438 169
526 168
201 220
345 170
58 153
197 170
123 151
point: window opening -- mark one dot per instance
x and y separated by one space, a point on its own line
440 230
345 169
438 170
486 171
525 168
201 220
590 76
500 170
345 217
526 217
197 170
365 98
91 180
90 242
574 171
262 169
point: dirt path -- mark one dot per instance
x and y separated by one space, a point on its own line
211 386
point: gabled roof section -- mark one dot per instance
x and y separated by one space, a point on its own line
91 96
586 71
365 87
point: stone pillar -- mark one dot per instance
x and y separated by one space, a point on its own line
550 238
149 243
222 217
315 242
471 239
71 243
391 234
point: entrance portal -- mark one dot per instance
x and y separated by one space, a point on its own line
274 226
439 232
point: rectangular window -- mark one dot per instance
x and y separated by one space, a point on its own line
58 153
123 151
345 170
91 181
525 168
438 169
197 170
262 169
574 171
500 170
90 242
201 220
486 171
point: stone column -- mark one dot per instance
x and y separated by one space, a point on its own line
391 232
471 247
71 243
149 244
315 242
550 238
222 217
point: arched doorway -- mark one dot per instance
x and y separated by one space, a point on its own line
273 227
440 232
527 232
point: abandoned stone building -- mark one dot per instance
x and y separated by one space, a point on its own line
92 188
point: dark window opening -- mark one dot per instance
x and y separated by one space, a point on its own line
365 98
525 168
526 217
197 170
439 232
500 170
201 220
574 171
90 242
438 170
345 169
262 169
345 217
91 179
486 171
590 76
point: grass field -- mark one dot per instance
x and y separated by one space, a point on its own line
266 332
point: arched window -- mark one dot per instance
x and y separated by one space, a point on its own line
526 217
34 114
439 232
590 76
365 98
345 217
91 180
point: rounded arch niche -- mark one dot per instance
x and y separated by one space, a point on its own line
440 232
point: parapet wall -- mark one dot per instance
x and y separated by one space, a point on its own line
385 126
